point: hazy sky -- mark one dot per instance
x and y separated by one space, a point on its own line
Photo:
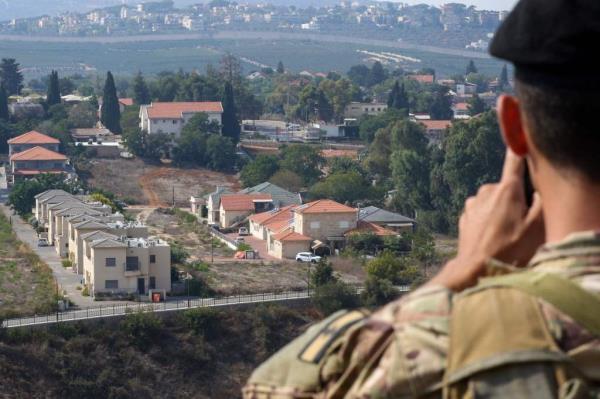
481 4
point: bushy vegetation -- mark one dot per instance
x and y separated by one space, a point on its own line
144 356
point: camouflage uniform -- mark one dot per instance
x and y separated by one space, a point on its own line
402 349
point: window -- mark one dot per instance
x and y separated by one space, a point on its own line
111 262
152 283
132 264
344 224
152 258
111 284
315 225
174 122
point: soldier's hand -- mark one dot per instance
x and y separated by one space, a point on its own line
496 223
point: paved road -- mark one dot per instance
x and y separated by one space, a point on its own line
250 35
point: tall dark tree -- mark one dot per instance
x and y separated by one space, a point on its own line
441 106
377 74
324 108
476 105
141 94
231 125
3 104
10 76
471 68
53 93
398 98
503 81
280 68
111 114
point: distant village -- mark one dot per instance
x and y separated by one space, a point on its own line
385 18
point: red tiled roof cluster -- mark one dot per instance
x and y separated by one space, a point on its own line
324 206
242 202
38 154
176 110
33 137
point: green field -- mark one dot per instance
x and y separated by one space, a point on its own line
155 56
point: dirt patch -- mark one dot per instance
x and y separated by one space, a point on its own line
226 275
154 185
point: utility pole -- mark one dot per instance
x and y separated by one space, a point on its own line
308 279
173 196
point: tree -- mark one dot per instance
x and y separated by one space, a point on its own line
4 115
398 98
364 243
259 170
322 274
133 139
476 105
334 296
471 68
342 187
82 115
503 80
66 86
231 126
53 94
280 68
157 146
220 153
110 115
410 172
141 94
10 76
441 107
324 108
359 74
288 180
376 75
378 292
22 195
387 266
304 160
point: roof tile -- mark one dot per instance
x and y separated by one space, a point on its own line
175 110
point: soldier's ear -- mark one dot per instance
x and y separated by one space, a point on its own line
512 124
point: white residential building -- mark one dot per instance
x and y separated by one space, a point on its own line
170 118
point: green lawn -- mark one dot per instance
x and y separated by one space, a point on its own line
26 283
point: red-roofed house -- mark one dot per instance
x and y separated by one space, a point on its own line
461 110
434 130
368 227
171 117
260 221
422 78
236 207
288 243
35 161
30 140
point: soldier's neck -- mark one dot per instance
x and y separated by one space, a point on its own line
570 206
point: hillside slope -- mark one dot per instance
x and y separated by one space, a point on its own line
197 354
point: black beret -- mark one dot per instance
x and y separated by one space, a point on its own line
552 43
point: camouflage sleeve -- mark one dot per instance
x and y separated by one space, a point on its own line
413 363
400 350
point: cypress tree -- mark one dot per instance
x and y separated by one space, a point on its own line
393 94
471 68
504 78
53 94
3 103
231 125
141 94
111 114
280 68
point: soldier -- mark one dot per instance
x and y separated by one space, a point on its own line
517 312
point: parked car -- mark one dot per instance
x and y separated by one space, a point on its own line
307 257
243 231
42 242
239 240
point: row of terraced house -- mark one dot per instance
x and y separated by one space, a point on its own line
115 257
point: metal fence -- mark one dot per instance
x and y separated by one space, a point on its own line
168 306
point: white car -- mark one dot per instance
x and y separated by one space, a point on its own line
307 257
239 240
42 242
243 231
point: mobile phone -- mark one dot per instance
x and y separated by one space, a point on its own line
528 184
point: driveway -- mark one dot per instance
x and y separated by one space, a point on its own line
258 245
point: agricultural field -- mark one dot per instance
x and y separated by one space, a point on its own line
26 283
126 58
